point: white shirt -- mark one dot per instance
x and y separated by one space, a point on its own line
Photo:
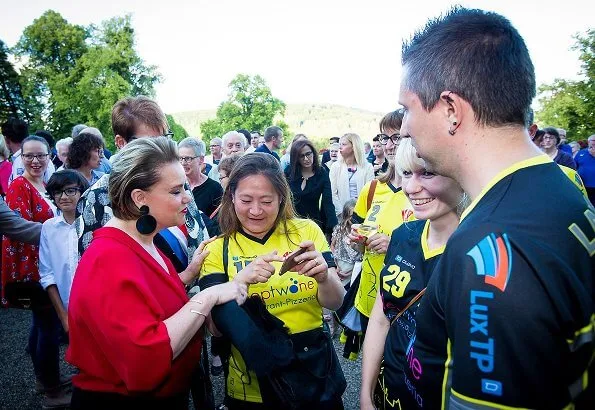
58 256
18 168
249 149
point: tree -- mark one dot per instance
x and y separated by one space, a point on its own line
12 103
571 104
250 105
179 131
73 74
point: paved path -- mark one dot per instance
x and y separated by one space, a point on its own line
17 383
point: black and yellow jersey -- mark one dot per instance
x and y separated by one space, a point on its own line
575 178
388 210
290 297
507 319
408 265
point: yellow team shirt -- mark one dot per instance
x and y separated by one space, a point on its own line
388 210
290 297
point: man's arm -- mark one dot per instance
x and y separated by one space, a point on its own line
17 228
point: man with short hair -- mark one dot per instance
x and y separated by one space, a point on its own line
564 146
216 153
62 148
585 162
507 317
132 118
15 131
333 153
379 161
326 155
273 139
254 137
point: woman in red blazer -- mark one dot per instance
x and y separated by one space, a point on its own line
134 334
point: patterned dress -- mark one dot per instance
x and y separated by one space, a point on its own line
20 261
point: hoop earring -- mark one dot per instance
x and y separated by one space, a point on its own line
146 224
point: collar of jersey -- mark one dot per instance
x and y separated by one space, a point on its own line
538 160
255 239
429 253
393 188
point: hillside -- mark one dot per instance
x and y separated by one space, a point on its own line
314 120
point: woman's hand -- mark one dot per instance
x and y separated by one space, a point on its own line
311 263
259 270
225 292
354 237
191 272
378 243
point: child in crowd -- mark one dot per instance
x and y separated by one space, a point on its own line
58 247
346 256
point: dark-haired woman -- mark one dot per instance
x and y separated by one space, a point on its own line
27 196
134 334
85 155
259 227
310 186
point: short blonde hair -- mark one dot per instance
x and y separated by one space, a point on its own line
137 166
406 159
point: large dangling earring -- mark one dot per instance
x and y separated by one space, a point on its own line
146 224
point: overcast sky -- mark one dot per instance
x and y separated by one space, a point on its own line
338 52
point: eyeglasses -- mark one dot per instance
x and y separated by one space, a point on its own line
395 138
67 191
31 157
549 137
187 160
306 155
215 146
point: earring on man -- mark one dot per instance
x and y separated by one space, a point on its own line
146 223
450 130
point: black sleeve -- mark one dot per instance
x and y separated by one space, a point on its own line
330 219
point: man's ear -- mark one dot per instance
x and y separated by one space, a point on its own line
454 108
119 141
533 130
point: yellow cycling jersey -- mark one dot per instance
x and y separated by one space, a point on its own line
388 210
290 297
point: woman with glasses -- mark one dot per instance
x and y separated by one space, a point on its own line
28 197
351 172
84 155
310 186
207 192
549 145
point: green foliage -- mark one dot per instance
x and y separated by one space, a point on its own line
179 131
250 105
12 103
73 74
571 104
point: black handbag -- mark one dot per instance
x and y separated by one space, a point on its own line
313 376
26 295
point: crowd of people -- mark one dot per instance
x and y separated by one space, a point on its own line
433 250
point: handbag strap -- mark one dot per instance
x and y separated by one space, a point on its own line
371 193
411 302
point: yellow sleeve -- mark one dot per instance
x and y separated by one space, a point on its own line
213 265
361 206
